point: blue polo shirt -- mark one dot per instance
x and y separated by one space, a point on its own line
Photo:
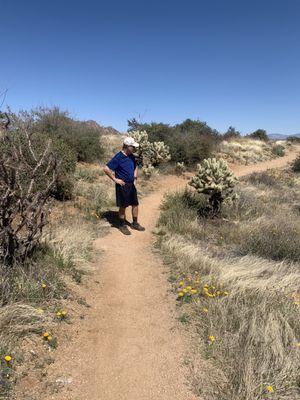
123 166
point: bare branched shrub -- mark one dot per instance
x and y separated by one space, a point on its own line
28 172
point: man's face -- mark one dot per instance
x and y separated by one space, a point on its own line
130 149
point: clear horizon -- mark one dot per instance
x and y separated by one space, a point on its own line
228 64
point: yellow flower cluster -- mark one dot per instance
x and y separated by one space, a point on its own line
212 291
270 389
61 314
47 336
188 287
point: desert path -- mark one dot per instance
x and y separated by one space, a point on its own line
130 345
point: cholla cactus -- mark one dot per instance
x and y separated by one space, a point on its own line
148 170
151 153
215 179
145 147
180 167
159 153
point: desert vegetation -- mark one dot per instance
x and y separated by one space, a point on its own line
236 278
53 197
192 141
50 206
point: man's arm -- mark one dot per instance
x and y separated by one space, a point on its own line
110 174
136 173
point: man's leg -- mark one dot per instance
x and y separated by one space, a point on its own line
135 224
122 217
122 214
135 213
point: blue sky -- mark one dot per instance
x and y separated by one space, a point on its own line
230 62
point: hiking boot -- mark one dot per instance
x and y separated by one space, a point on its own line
124 229
137 226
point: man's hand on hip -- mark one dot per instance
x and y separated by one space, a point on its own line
119 182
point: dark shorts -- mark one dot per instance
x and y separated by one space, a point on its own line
126 195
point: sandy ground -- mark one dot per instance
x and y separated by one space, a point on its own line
130 345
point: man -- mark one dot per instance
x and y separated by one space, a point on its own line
125 167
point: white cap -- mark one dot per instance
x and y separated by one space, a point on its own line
129 141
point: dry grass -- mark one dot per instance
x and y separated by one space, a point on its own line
256 326
249 151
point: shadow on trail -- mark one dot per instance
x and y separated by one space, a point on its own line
112 217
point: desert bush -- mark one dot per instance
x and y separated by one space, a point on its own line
259 134
28 172
82 137
293 139
214 179
189 142
296 165
278 150
231 133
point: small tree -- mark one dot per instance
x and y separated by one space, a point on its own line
28 172
216 180
259 134
231 133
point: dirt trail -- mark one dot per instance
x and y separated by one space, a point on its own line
129 346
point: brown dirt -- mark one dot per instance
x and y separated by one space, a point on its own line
129 345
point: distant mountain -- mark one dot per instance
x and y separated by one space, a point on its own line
104 130
280 136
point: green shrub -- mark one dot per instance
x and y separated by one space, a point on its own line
189 142
259 134
296 164
231 133
82 137
293 139
278 150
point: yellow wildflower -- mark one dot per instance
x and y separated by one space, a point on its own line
44 285
211 338
46 334
181 283
64 313
49 338
270 389
205 310
184 290
58 314
180 294
194 291
218 293
7 358
226 293
189 287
